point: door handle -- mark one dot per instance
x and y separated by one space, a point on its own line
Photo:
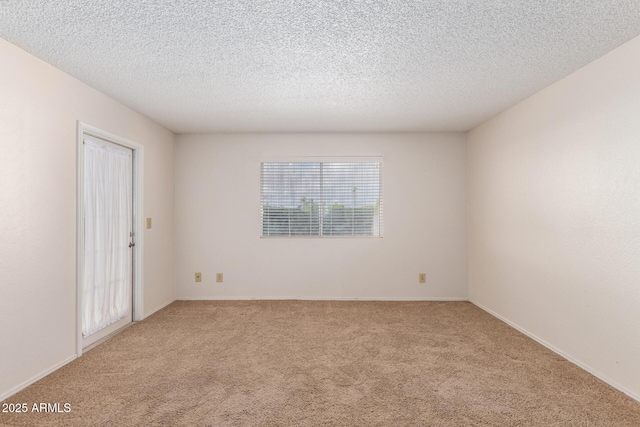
131 245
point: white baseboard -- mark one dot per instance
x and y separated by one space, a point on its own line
559 352
60 365
41 375
160 307
298 298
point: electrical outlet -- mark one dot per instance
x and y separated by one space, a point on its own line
219 277
422 278
148 223
198 277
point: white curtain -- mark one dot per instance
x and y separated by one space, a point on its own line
107 223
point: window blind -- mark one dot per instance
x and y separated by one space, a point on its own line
321 199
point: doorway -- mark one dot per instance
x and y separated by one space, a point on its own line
109 234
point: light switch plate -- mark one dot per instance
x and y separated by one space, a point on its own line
198 277
148 223
219 277
422 278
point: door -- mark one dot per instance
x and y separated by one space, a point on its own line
106 303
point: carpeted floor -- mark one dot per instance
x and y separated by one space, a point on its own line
310 363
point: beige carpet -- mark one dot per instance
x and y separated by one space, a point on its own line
303 363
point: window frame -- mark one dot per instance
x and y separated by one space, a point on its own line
322 159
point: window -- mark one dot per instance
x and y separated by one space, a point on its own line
321 199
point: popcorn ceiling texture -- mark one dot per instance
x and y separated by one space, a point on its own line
276 65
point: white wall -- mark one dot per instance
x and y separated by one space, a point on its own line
218 221
39 106
554 227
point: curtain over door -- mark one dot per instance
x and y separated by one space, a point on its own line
108 225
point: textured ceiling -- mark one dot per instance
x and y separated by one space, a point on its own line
288 65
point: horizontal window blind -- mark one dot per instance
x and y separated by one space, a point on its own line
321 199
